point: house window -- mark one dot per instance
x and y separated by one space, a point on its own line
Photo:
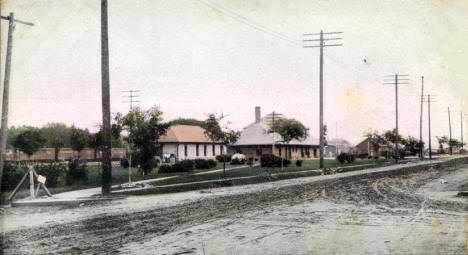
204 150
221 148
279 148
302 151
196 150
185 150
214 151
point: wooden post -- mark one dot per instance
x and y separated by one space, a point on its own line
31 183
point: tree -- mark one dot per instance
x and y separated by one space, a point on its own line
95 141
413 145
29 141
289 129
214 131
442 140
78 139
56 135
454 143
144 129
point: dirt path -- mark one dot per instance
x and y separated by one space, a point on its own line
343 216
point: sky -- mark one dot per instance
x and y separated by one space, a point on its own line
195 57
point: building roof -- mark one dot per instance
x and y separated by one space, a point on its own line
185 134
258 133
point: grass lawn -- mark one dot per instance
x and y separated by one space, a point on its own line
258 171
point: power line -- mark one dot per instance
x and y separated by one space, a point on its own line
247 22
428 100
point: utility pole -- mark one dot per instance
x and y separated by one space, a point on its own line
131 96
450 131
105 84
421 120
6 87
389 80
321 45
429 121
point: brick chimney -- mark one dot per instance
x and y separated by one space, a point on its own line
257 114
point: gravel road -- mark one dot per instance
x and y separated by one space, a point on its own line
414 213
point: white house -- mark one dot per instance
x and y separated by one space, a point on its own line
189 142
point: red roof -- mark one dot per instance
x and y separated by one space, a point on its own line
185 134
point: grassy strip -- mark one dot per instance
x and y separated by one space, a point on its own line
258 170
222 183
242 180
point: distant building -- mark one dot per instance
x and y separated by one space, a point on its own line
371 148
256 140
188 142
337 146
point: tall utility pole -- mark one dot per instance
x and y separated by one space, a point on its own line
105 84
429 121
450 131
131 96
421 120
321 45
389 80
6 87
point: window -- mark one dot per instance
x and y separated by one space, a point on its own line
185 150
279 148
221 148
302 151
204 150
214 151
196 150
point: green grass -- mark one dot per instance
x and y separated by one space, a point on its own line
259 171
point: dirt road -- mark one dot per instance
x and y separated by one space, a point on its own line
414 213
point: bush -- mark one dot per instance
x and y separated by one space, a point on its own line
299 162
12 175
342 157
350 158
270 160
223 158
183 166
165 168
52 172
212 163
327 171
77 172
237 161
201 163
124 163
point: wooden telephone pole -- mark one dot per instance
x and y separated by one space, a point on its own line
322 45
397 80
105 86
6 87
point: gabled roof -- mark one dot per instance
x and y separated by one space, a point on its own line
185 134
258 133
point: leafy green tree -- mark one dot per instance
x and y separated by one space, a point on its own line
57 135
144 128
413 145
289 129
29 141
442 140
214 131
78 139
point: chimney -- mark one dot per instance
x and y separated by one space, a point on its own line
257 114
